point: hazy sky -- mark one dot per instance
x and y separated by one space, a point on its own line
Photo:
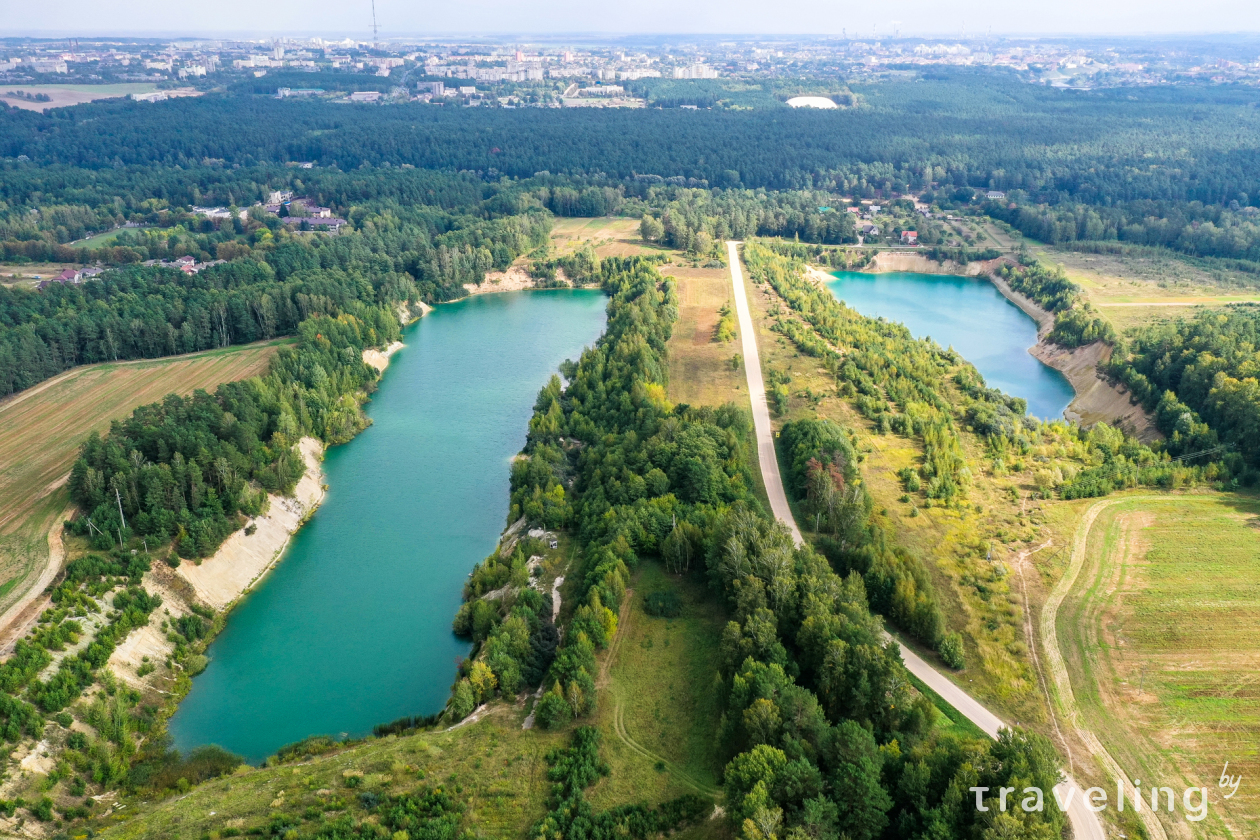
409 17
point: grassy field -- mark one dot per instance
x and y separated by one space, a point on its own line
102 239
658 715
62 95
27 275
700 367
610 236
659 709
1149 284
44 426
1159 636
497 767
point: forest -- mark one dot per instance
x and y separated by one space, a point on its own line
1199 377
270 284
189 470
1173 167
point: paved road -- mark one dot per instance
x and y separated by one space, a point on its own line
757 391
1085 823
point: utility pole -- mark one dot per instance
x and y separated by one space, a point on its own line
118 496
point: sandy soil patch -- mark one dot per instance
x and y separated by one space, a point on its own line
38 760
151 641
19 618
379 359
242 560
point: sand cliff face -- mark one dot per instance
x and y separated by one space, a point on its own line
242 560
1097 400
379 359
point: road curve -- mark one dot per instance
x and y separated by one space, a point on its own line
1085 823
1058 666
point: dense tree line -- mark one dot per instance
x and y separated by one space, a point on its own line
823 478
188 469
698 220
610 458
270 285
151 312
972 130
1199 375
1229 229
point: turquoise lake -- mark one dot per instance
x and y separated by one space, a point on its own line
353 627
970 315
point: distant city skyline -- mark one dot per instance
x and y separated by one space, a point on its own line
524 18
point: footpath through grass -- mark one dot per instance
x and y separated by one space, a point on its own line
659 709
658 713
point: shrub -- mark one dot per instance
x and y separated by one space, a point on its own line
552 710
42 810
951 650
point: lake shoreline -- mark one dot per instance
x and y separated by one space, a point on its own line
200 714
222 580
1095 399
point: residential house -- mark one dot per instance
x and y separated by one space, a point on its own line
995 195
909 237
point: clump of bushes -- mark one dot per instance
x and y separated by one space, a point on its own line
663 603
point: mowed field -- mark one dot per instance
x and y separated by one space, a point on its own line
42 428
62 95
1160 639
700 368
29 274
609 235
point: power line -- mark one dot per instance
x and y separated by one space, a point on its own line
1214 449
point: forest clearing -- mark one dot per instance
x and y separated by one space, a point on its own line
62 95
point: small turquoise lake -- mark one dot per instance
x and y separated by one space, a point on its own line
353 627
973 317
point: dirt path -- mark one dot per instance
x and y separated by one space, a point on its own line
22 615
619 721
623 627
1085 823
1060 678
619 726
